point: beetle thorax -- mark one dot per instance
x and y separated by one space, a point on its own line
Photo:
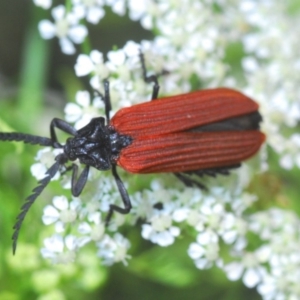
96 145
91 145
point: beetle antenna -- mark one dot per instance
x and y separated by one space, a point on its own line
60 159
151 78
26 138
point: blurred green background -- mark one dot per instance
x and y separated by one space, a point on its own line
36 80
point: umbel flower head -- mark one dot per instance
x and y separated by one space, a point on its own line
195 54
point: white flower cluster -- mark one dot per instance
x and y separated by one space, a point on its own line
77 223
192 44
66 26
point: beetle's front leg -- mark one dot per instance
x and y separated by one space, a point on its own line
77 185
124 195
62 125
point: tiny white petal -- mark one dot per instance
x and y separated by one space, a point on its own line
266 288
60 202
119 7
75 204
54 243
79 11
264 253
204 238
163 239
180 215
286 162
96 56
131 49
70 241
83 65
251 278
84 228
229 236
116 57
45 4
95 217
83 98
73 112
58 12
156 185
146 231
234 270
250 64
202 263
98 103
47 220
195 251
78 33
146 22
49 210
38 170
95 14
175 231
47 29
85 119
95 82
66 46
59 227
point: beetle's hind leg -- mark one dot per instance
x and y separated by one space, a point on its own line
189 182
185 177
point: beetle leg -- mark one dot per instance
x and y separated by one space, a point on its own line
106 100
77 185
213 172
124 195
62 125
149 79
189 182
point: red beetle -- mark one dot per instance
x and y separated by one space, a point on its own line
203 132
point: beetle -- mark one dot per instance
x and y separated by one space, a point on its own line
206 132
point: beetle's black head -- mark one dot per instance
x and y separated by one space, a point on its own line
91 145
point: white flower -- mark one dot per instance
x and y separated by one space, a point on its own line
138 10
94 64
142 205
59 249
116 64
61 212
292 150
66 28
248 268
82 112
206 251
159 228
45 158
250 64
92 10
113 249
117 6
45 4
160 231
94 229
